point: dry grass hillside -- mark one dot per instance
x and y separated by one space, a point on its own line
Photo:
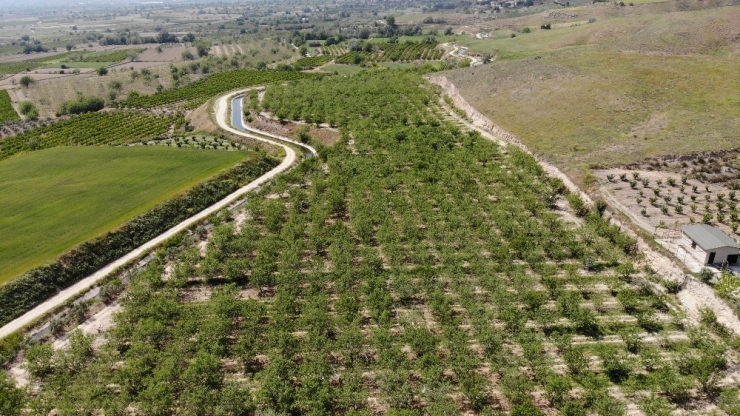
617 90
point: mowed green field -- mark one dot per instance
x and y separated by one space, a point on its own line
54 199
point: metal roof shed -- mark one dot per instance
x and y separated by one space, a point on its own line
718 246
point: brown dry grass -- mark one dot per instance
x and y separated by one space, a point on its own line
647 89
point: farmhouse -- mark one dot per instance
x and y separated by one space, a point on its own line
711 244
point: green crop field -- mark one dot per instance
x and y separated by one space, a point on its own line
73 65
417 269
53 199
7 112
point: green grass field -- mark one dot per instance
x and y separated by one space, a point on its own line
54 199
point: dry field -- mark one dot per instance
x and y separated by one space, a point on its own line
615 91
49 92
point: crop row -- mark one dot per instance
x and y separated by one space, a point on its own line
311 62
197 93
31 64
88 129
7 112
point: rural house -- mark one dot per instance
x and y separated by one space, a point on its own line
711 244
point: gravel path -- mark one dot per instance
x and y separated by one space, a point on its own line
221 110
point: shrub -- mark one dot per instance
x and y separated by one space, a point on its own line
102 71
81 106
26 81
672 286
580 208
706 275
29 110
526 408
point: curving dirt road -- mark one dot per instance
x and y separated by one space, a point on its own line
221 109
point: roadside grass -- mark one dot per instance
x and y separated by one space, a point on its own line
54 199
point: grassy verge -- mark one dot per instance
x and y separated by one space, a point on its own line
53 199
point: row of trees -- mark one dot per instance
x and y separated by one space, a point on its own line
414 265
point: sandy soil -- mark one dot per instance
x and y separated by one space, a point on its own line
227 50
201 120
97 325
694 297
325 135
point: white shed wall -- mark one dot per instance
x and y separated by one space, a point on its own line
721 254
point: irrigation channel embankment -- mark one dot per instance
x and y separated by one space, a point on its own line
239 128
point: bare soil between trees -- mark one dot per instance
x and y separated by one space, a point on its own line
695 295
